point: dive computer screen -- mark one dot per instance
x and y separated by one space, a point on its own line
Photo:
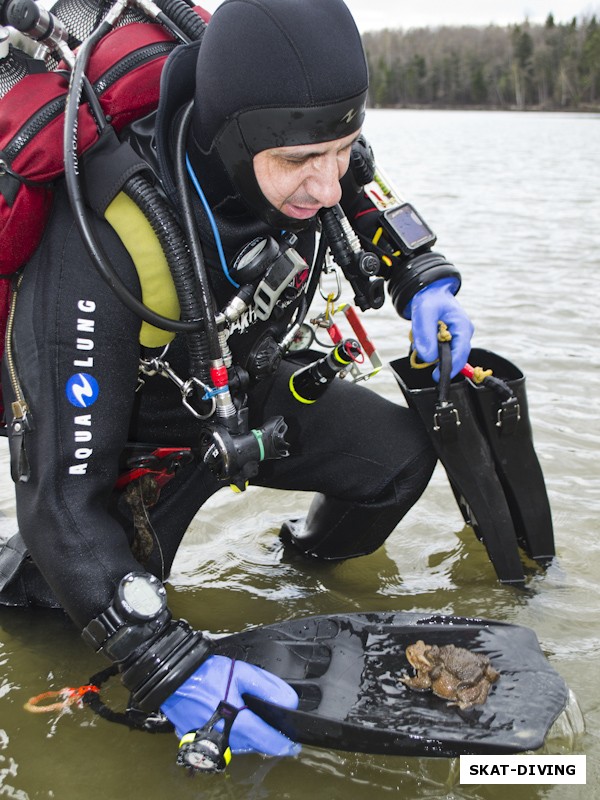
407 225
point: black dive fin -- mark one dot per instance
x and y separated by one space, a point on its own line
464 451
347 671
505 421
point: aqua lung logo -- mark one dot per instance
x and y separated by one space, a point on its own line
82 388
349 116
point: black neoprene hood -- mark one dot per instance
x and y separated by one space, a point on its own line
275 73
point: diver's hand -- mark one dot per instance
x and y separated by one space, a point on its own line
219 678
436 303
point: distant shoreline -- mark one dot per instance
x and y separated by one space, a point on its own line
529 109
550 67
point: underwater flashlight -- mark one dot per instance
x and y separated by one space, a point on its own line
310 382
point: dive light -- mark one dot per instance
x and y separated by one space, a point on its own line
310 382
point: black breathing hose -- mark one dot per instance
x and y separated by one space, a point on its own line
94 248
183 16
193 239
168 231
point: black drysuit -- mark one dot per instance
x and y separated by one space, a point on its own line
369 457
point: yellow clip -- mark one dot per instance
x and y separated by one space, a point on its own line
330 306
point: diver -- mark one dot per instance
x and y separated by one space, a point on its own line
274 99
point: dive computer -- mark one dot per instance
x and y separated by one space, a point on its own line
140 597
406 230
137 613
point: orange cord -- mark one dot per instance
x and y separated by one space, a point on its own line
69 697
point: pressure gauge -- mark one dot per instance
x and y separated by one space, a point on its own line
304 337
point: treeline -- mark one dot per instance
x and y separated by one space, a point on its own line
550 66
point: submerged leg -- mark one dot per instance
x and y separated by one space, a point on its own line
367 460
336 529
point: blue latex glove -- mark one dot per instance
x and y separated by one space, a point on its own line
431 304
219 678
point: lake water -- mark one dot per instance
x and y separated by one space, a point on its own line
515 201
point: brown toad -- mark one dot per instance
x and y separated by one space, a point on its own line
450 672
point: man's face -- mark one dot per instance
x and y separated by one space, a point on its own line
300 180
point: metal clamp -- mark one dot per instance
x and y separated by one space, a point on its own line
156 366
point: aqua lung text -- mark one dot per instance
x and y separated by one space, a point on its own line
82 388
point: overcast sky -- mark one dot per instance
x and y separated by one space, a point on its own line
375 14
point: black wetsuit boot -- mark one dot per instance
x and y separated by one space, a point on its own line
338 529
27 587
